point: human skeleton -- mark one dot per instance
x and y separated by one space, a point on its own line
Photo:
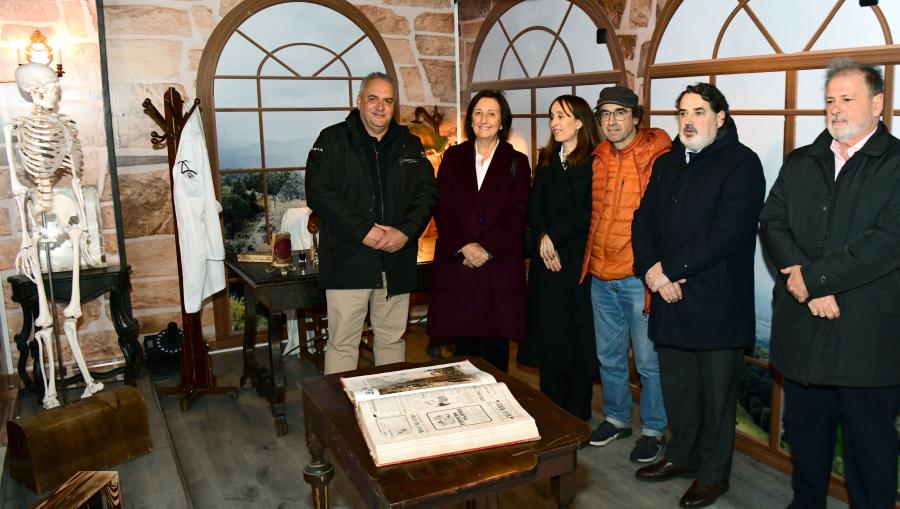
48 149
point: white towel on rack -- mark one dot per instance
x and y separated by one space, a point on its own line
197 212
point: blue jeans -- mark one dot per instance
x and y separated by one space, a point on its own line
619 313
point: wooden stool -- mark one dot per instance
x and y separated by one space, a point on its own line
86 490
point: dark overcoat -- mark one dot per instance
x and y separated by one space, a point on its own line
339 188
490 300
845 235
699 219
560 320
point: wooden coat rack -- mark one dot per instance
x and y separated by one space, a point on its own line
196 366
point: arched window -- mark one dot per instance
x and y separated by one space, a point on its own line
768 57
272 75
536 51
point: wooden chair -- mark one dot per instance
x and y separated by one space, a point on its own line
86 489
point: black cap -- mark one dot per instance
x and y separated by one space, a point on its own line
622 96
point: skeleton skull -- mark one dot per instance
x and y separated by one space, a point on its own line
38 84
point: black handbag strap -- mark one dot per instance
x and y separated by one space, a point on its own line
512 167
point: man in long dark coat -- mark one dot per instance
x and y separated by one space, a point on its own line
694 236
832 226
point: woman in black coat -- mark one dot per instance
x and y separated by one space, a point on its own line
560 339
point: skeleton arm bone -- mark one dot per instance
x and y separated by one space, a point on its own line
27 261
73 161
17 188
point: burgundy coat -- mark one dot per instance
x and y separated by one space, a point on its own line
490 300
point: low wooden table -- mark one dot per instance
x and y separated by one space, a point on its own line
297 290
331 424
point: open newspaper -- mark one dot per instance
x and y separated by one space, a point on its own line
436 410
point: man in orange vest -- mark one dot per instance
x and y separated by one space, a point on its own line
621 171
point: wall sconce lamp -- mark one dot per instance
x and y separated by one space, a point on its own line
40 51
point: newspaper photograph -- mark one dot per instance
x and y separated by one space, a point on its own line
425 379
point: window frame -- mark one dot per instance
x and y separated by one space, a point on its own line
615 76
206 76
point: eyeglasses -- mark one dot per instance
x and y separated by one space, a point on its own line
618 114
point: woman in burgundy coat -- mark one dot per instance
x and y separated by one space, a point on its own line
477 292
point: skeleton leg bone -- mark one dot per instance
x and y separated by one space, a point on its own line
32 264
44 338
91 386
72 312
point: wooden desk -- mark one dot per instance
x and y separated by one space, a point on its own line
298 289
331 424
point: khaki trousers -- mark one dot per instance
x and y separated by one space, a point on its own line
346 314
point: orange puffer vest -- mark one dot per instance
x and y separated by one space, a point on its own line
617 185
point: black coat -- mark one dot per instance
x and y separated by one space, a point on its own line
845 234
339 188
699 220
560 320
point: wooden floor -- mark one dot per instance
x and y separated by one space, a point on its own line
229 457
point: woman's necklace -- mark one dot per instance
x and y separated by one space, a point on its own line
563 157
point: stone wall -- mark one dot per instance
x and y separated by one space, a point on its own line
71 25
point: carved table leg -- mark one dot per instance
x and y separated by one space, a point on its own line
277 373
247 378
127 329
319 472
21 340
563 489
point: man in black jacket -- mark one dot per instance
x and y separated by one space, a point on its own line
373 189
831 225
693 237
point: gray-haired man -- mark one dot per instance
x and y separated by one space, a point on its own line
373 189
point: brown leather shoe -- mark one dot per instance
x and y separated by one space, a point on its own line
662 471
702 494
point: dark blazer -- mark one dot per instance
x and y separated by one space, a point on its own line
560 319
845 234
699 220
490 300
339 188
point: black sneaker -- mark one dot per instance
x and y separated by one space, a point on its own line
647 449
606 432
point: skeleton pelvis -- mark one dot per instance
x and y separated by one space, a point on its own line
63 213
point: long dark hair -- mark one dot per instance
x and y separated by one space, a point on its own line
588 135
505 113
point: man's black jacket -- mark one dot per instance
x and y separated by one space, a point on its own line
339 188
845 235
699 219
